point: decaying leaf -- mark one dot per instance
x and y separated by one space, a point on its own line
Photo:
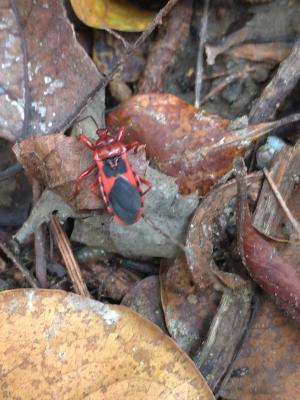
121 15
195 147
188 311
267 367
276 275
65 346
42 66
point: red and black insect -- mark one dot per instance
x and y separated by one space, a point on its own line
119 185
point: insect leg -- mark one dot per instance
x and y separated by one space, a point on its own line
133 145
86 141
82 176
121 134
146 183
94 187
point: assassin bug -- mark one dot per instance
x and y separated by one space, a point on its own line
119 185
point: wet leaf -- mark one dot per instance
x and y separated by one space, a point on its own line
121 15
267 267
42 69
192 145
267 366
187 310
64 346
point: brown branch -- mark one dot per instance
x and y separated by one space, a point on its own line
242 74
72 266
282 203
199 67
9 254
284 81
39 242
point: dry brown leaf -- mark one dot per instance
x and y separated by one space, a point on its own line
267 367
195 147
46 76
60 345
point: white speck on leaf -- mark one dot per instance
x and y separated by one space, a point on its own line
109 316
57 84
47 79
29 295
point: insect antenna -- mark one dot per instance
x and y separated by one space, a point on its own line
176 242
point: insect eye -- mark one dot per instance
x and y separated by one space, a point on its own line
102 133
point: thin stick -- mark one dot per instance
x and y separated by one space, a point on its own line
156 21
64 246
282 203
39 241
147 32
11 171
9 254
125 43
242 74
202 39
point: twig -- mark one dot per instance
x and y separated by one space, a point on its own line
251 132
125 43
282 203
243 73
156 21
202 39
64 246
279 88
9 254
10 172
39 241
147 32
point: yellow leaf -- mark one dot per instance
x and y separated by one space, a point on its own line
57 345
115 14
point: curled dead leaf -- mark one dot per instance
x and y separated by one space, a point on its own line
51 339
207 228
267 267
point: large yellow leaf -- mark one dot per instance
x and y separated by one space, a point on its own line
114 14
57 345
